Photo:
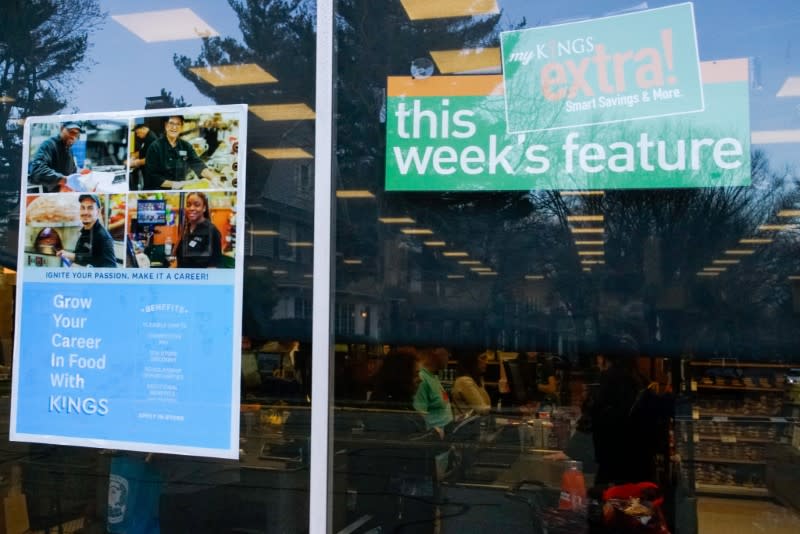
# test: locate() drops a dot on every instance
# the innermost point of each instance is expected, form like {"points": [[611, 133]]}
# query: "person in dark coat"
{"points": [[53, 162]]}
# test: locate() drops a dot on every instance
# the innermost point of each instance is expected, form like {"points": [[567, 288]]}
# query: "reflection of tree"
{"points": [[42, 46]]}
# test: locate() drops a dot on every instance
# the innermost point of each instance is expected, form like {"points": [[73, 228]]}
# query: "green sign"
{"points": [[449, 134], [601, 71]]}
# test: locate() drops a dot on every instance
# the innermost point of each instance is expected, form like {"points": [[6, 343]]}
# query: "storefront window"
{"points": [[84, 57], [570, 229]]}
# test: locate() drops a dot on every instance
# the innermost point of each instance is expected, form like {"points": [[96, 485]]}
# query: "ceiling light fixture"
{"points": [[589, 243], [582, 193], [354, 193], [776, 227], [234, 75], [416, 231], [586, 230], [283, 153], [434, 243], [283, 112], [739, 252], [166, 25], [396, 220], [585, 218], [440, 9], [455, 254]]}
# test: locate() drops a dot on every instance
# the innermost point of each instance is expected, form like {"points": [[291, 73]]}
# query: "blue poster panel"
{"points": [[128, 318]]}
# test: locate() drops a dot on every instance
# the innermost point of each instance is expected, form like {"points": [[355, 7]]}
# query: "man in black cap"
{"points": [[95, 247], [53, 162], [144, 137], [170, 158]]}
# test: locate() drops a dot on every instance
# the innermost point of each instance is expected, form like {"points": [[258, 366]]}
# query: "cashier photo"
{"points": [[170, 158], [200, 244], [94, 246]]}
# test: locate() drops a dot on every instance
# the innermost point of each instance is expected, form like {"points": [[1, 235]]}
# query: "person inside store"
{"points": [[95, 247], [200, 246], [431, 398], [143, 139], [169, 159], [469, 396], [53, 164], [625, 418]]}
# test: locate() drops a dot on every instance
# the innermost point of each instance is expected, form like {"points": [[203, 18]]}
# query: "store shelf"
{"points": [[740, 388], [732, 439], [702, 487], [733, 363], [727, 461], [732, 418]]}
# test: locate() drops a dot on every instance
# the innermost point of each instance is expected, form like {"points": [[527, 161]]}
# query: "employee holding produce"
{"points": [[169, 159], [53, 163], [201, 243], [94, 247]]}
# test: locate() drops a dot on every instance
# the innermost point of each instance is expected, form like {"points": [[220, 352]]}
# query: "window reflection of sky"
{"points": [[127, 69], [760, 30]]}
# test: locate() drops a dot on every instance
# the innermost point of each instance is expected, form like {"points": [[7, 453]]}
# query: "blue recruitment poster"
{"points": [[129, 281]]}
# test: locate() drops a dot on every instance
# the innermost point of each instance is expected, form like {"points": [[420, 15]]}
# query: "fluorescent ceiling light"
{"points": [[487, 273], [789, 213], [283, 112], [586, 230], [416, 231], [480, 269], [534, 277], [776, 227], [166, 25], [585, 218], [704, 273], [593, 262], [300, 244], [308, 276], [725, 262], [434, 243], [589, 243], [352, 261], [256, 268], [467, 60], [234, 75], [755, 241], [582, 193], [455, 254], [469, 262], [440, 9], [587, 269], [6, 100], [715, 269], [280, 272], [791, 87], [455, 276], [769, 137], [794, 277], [283, 153], [263, 232], [354, 193], [591, 253], [739, 252], [396, 220]]}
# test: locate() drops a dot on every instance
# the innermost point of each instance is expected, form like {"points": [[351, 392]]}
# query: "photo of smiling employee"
{"points": [[95, 247], [201, 242], [170, 158]]}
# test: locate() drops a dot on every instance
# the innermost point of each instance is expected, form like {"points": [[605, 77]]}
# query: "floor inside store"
{"points": [[740, 516]]}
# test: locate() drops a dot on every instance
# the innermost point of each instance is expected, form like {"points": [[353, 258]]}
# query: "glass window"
{"points": [[88, 56], [575, 223]]}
